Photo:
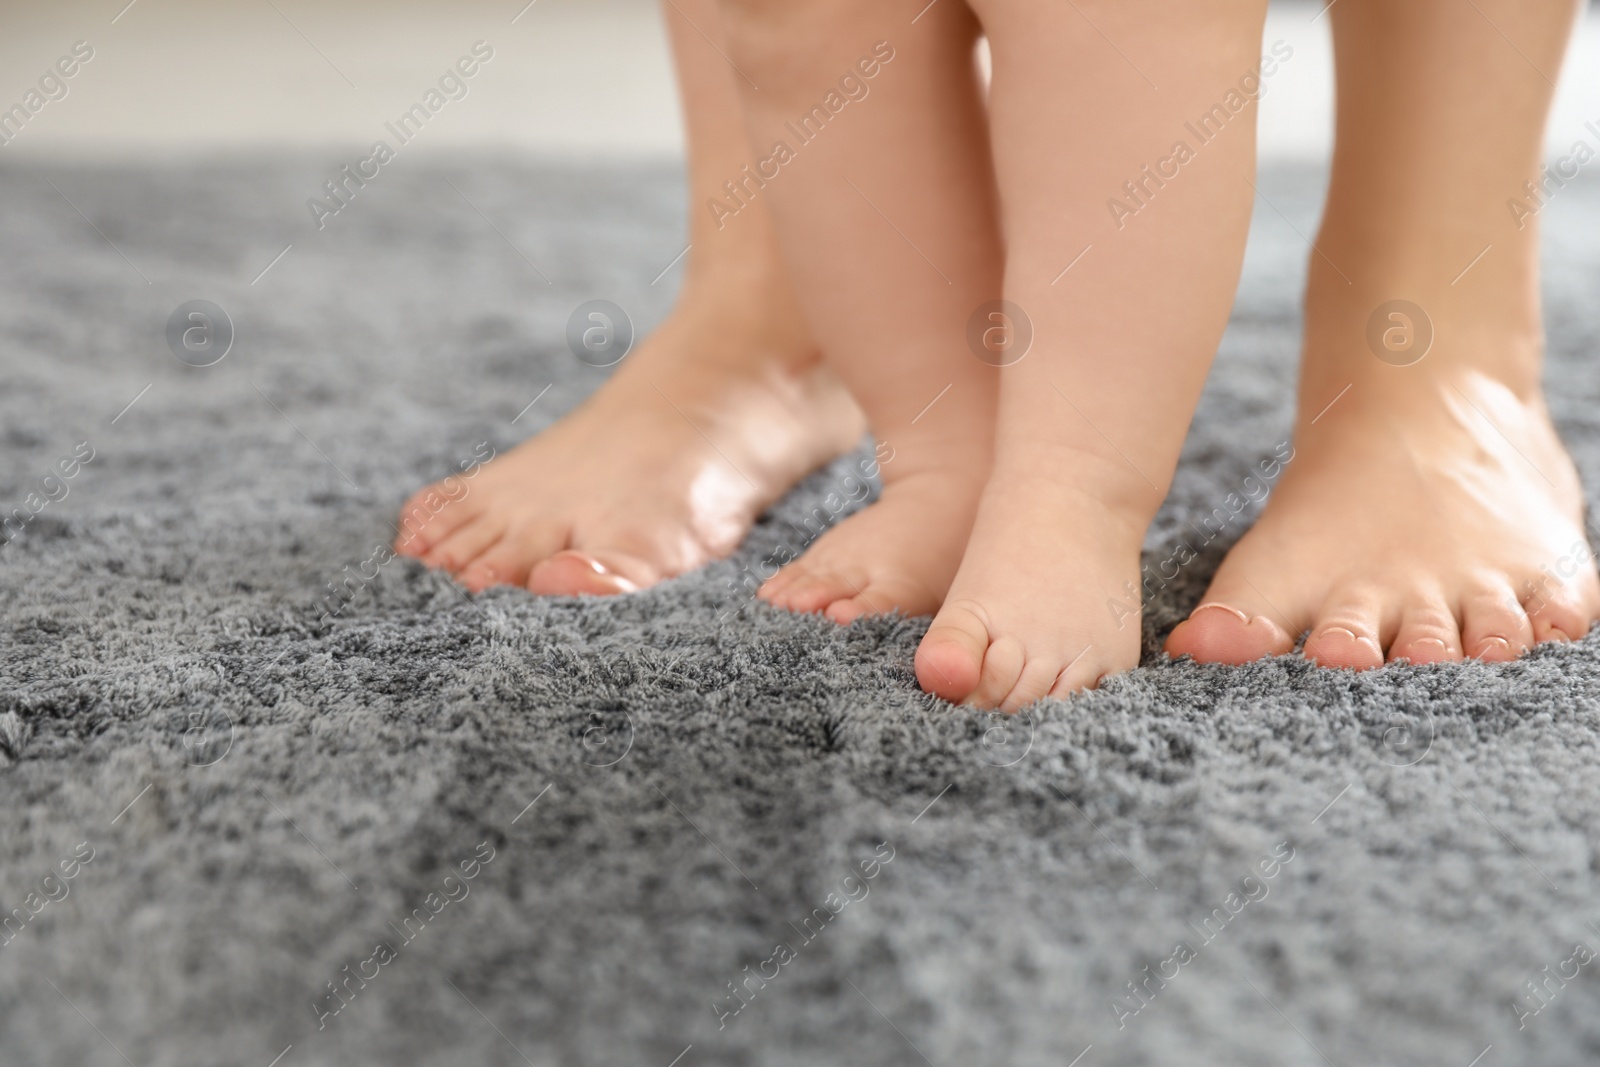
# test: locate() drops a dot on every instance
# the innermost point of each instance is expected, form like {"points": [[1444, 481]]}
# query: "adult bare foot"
{"points": [[1426, 517], [1430, 512], [717, 414]]}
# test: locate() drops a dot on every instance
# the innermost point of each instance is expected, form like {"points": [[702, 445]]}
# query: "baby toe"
{"points": [[949, 660], [1003, 662]]}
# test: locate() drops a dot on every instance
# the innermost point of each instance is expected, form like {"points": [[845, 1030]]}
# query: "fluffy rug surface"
{"points": [[408, 826]]}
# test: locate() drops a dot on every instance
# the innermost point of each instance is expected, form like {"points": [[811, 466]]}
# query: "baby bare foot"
{"points": [[898, 555], [1424, 525], [1028, 615], [662, 470]]}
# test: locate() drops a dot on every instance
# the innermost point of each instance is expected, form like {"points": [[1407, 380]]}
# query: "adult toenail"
{"points": [[1491, 644], [615, 581], [593, 566], [1235, 612], [1349, 634]]}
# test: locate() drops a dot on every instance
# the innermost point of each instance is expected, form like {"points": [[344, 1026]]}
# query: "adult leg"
{"points": [[723, 408], [1430, 511]]}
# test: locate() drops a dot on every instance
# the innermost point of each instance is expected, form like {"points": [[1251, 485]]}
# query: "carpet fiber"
{"points": [[602, 818]]}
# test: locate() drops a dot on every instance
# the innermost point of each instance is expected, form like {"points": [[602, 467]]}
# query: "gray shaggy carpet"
{"points": [[242, 824]]}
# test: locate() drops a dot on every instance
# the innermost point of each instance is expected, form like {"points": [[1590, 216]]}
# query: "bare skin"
{"points": [[715, 415], [886, 214], [1092, 418], [1430, 513]]}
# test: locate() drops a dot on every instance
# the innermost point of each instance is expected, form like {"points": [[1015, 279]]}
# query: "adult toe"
{"points": [[1348, 631], [1236, 623], [1428, 632], [429, 517], [1494, 624], [509, 560], [466, 544], [1560, 614]]}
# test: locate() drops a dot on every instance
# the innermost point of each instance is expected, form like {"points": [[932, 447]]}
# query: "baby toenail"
{"points": [[1440, 645], [1492, 644]]}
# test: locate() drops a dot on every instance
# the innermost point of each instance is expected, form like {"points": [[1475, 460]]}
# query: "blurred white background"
{"points": [[575, 79]]}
